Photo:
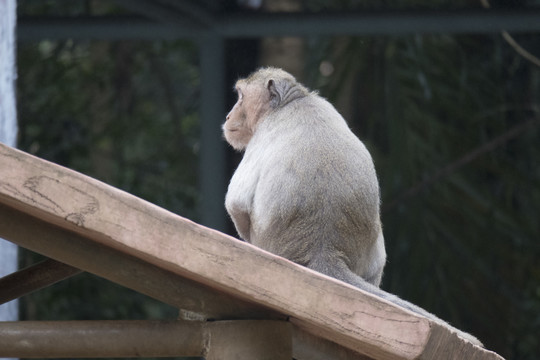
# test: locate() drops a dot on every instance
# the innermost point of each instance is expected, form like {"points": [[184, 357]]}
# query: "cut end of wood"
{"points": [[445, 344]]}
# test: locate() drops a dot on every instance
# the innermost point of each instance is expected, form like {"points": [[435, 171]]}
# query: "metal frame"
{"points": [[280, 24], [169, 20]]}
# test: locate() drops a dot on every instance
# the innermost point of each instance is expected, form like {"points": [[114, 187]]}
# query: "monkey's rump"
{"points": [[315, 187]]}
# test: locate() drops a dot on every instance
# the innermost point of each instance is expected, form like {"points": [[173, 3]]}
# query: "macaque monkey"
{"points": [[306, 188]]}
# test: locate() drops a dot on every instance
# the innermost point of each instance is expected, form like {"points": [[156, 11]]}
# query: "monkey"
{"points": [[306, 188]]}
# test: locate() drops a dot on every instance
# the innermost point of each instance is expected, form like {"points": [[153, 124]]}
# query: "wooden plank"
{"points": [[34, 278], [223, 340], [95, 339], [113, 219], [131, 272]]}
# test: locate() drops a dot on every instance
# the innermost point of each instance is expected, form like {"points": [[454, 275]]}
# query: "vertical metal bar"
{"points": [[212, 180], [8, 130]]}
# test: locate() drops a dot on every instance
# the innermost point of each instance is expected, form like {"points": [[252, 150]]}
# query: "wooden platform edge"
{"points": [[124, 224]]}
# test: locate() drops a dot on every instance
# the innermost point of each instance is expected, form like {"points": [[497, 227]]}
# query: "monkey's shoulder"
{"points": [[309, 146]]}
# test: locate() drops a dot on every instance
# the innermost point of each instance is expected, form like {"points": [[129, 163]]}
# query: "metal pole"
{"points": [[295, 24], [212, 146]]}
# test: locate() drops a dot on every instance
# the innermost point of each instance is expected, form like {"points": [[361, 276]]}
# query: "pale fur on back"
{"points": [[306, 188], [311, 189]]}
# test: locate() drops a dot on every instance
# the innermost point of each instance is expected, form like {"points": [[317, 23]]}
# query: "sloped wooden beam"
{"points": [[121, 268], [104, 218]]}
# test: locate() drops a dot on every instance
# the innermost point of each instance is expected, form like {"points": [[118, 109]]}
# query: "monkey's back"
{"points": [[316, 190]]}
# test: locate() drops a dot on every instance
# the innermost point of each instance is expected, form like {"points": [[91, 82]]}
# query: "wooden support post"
{"points": [[250, 339], [307, 346], [219, 340]]}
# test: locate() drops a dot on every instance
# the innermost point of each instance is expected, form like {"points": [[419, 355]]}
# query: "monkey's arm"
{"points": [[241, 221], [240, 194], [238, 202]]}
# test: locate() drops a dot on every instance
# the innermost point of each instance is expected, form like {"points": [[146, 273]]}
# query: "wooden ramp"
{"points": [[86, 224]]}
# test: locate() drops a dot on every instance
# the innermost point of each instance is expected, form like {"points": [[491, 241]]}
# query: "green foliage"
{"points": [[124, 113], [443, 117]]}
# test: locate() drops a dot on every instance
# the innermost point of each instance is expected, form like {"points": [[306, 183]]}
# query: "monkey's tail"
{"points": [[341, 271]]}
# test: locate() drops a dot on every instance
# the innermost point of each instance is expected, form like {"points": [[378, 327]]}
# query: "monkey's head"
{"points": [[261, 93]]}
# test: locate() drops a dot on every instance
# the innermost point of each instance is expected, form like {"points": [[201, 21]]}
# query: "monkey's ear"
{"points": [[275, 96]]}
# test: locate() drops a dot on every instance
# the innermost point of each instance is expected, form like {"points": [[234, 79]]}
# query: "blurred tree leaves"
{"points": [[124, 113], [462, 236], [453, 125]]}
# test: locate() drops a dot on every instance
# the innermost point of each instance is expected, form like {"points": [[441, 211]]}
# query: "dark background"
{"points": [[452, 121]]}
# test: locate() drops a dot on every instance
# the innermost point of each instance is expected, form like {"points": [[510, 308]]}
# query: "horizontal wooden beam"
{"points": [[224, 340], [282, 24], [92, 215]]}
